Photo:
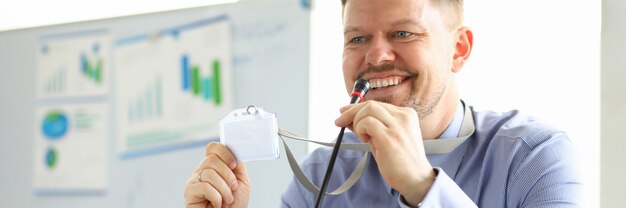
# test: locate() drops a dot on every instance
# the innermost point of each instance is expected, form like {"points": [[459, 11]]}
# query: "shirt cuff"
{"points": [[403, 203], [444, 192]]}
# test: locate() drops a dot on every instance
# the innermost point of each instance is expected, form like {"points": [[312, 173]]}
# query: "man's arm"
{"points": [[544, 175]]}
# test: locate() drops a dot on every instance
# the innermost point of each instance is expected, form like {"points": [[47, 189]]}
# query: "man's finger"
{"points": [[348, 112], [215, 163], [218, 183], [199, 193], [241, 173], [369, 127], [222, 152]]}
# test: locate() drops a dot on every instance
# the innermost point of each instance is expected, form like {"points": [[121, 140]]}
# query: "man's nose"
{"points": [[380, 51]]}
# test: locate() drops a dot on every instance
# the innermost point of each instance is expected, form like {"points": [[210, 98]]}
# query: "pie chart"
{"points": [[51, 158], [55, 125]]}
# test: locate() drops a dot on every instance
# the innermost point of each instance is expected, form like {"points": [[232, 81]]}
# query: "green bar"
{"points": [[59, 82], [130, 115], [98, 72], [159, 99], [53, 83], [217, 95], [149, 103], [62, 77], [139, 108], [195, 80], [88, 69]]}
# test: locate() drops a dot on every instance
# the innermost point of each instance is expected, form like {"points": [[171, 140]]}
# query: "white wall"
{"points": [[613, 103], [541, 57], [326, 91]]}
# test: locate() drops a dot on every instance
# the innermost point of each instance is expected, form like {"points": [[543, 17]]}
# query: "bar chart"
{"points": [[73, 65], [56, 83], [148, 103], [205, 87], [92, 70]]}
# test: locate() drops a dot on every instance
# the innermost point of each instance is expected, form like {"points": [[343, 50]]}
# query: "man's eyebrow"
{"points": [[420, 26], [417, 24], [349, 29]]}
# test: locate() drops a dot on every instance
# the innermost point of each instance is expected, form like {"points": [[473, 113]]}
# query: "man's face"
{"points": [[401, 44]]}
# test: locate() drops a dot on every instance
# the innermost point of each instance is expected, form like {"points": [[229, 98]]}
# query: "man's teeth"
{"points": [[379, 83]]}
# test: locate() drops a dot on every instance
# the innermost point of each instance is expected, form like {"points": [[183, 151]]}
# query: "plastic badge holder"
{"points": [[251, 134]]}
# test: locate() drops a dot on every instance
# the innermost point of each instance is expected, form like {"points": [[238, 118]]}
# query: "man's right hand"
{"points": [[218, 181]]}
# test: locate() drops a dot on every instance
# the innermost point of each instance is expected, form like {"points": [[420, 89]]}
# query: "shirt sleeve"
{"points": [[443, 193], [548, 176]]}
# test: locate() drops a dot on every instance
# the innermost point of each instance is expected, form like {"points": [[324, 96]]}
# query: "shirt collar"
{"points": [[453, 129]]}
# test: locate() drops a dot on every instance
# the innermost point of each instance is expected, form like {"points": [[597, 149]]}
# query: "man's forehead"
{"points": [[359, 13], [380, 6]]}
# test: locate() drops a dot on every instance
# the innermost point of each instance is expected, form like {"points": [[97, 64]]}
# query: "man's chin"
{"points": [[390, 100]]}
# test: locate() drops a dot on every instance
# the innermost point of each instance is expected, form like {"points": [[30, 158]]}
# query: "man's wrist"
{"points": [[416, 193]]}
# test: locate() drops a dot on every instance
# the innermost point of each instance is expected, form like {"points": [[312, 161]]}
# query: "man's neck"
{"points": [[433, 126]]}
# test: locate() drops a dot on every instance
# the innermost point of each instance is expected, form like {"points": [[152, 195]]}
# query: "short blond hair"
{"points": [[454, 9]]}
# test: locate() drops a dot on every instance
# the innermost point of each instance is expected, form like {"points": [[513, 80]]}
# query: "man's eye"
{"points": [[357, 40], [402, 34]]}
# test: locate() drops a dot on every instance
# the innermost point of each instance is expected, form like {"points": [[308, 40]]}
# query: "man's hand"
{"points": [[218, 181], [396, 140]]}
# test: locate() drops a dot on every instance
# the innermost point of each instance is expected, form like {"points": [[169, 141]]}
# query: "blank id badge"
{"points": [[251, 134]]}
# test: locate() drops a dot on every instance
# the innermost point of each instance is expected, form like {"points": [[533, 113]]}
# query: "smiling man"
{"points": [[429, 148]]}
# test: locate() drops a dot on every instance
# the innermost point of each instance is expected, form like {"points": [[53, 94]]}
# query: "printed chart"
{"points": [[69, 148], [172, 87], [73, 65]]}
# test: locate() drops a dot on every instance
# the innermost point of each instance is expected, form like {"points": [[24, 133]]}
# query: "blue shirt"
{"points": [[511, 160]]}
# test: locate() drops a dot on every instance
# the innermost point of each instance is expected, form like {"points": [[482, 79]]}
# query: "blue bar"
{"points": [[208, 92], [149, 102], [139, 108], [186, 72], [131, 112], [83, 63], [158, 98]]}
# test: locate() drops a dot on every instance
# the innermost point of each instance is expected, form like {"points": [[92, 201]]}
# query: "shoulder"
{"points": [[527, 147], [516, 141], [514, 126], [536, 161]]}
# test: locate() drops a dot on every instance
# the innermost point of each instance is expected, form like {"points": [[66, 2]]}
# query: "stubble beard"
{"points": [[423, 108]]}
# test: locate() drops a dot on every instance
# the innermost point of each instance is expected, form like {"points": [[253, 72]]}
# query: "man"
{"points": [[410, 51]]}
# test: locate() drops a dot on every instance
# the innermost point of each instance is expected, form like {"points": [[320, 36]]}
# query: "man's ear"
{"points": [[463, 48]]}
